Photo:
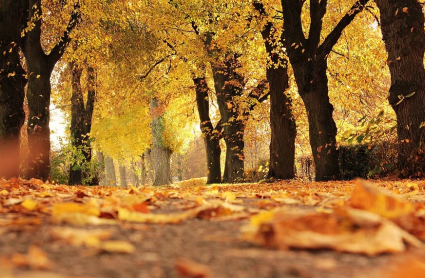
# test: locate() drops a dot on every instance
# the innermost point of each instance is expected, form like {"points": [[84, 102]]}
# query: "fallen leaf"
{"points": [[29, 204], [117, 246], [81, 237], [369, 197], [35, 259], [346, 230], [228, 196], [81, 219], [65, 208], [188, 268]]}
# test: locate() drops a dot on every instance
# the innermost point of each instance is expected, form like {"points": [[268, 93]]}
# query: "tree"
{"points": [[123, 176], [81, 120], [110, 176], [282, 122], [161, 153], [308, 57], [402, 26], [39, 67], [211, 134], [12, 85]]}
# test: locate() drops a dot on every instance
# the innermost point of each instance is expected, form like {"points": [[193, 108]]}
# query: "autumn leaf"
{"points": [[377, 200], [191, 269], [35, 259], [347, 230]]}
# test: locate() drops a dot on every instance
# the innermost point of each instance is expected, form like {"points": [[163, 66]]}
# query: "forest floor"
{"points": [[281, 229]]}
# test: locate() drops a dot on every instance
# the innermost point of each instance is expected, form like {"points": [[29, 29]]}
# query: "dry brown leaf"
{"points": [[81, 219], [117, 246], [35, 259], [172, 218], [408, 268], [81, 237], [348, 230], [377, 200], [188, 268]]}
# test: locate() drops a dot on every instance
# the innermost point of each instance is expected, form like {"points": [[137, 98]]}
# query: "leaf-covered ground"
{"points": [[282, 229]]}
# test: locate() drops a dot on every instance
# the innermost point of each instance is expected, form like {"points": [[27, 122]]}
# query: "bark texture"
{"points": [[309, 61], [144, 169], [81, 120], [229, 85], [110, 177], [211, 134], [40, 66], [161, 153], [402, 26], [12, 87], [133, 176], [123, 176], [102, 168], [282, 122]]}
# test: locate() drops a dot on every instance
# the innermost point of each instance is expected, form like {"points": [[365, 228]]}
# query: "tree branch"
{"points": [[294, 34], [256, 94], [59, 48], [333, 37], [143, 76], [317, 11]]}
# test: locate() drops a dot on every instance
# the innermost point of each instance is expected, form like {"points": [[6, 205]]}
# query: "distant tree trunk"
{"points": [[12, 86], [102, 170], [228, 86], [402, 25], [111, 179], [161, 154], [81, 120], [133, 176], [308, 57], [123, 176], [40, 67], [282, 122], [212, 135], [322, 127], [144, 173], [150, 171]]}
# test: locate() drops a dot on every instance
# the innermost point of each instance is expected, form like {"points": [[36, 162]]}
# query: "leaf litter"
{"points": [[357, 217]]}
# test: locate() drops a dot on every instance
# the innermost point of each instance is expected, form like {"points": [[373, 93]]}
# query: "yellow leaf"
{"points": [[81, 237], [29, 204], [63, 208], [228, 196], [377, 200], [117, 246]]}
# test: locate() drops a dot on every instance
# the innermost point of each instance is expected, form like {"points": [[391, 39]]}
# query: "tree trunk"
{"points": [[211, 135], [282, 122], [40, 67], [161, 154], [308, 56], [111, 179], [402, 26], [322, 127], [228, 86], [144, 172], [81, 121], [102, 168], [77, 123], [123, 177], [133, 176], [12, 86], [150, 171]]}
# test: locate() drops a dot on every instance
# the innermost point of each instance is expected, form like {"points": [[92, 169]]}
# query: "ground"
{"points": [[189, 230]]}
